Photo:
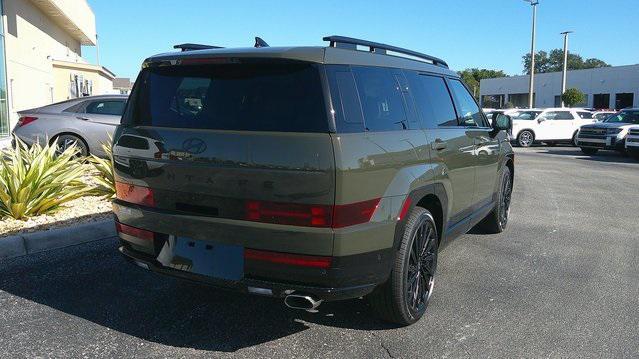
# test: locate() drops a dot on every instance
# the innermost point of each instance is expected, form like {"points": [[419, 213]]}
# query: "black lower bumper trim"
{"points": [[249, 285]]}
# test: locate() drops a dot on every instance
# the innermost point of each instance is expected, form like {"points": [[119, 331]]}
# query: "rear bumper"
{"points": [[250, 285], [348, 276]]}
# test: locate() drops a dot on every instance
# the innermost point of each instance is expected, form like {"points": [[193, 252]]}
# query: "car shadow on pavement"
{"points": [[107, 290]]}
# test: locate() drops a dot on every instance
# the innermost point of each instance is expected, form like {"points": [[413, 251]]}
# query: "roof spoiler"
{"points": [[352, 43], [259, 42]]}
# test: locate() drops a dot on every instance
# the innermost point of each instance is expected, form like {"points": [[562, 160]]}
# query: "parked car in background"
{"points": [[603, 114], [609, 134], [87, 122], [551, 125], [632, 142], [308, 173]]}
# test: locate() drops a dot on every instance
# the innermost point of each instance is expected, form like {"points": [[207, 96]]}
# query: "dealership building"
{"points": [[606, 87], [41, 56]]}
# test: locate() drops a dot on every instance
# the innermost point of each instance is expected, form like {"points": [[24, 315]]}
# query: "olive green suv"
{"points": [[307, 173]]}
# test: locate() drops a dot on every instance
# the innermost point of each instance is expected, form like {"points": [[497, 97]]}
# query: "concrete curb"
{"points": [[37, 242]]}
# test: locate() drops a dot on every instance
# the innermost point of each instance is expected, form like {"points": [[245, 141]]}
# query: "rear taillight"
{"points": [[289, 213], [134, 194], [310, 215], [287, 258], [134, 232], [354, 213], [25, 120]]}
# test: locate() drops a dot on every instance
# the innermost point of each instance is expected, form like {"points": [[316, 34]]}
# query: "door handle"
{"points": [[438, 145], [82, 118]]}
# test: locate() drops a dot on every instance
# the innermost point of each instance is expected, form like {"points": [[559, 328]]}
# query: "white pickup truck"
{"points": [[551, 125]]}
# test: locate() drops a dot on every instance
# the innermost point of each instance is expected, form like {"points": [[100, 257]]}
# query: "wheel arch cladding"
{"points": [[431, 197]]}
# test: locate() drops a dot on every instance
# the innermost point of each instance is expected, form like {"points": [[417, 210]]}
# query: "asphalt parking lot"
{"points": [[562, 281]]}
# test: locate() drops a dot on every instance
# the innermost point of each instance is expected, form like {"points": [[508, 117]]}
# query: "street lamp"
{"points": [[531, 88], [563, 75]]}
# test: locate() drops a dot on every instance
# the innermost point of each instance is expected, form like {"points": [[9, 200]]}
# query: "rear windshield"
{"points": [[244, 97]]}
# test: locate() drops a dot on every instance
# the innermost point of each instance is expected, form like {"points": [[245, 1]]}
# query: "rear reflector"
{"points": [[25, 120], [310, 215], [288, 259], [405, 209], [134, 232], [134, 194]]}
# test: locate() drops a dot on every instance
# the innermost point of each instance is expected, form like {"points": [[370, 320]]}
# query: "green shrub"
{"points": [[105, 179], [35, 180]]}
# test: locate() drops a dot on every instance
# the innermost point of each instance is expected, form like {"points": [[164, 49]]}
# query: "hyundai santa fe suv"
{"points": [[307, 173]]}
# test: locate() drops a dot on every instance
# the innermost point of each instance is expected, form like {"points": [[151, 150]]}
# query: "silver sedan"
{"points": [[86, 121]]}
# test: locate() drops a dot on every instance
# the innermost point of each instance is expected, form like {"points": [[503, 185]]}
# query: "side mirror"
{"points": [[540, 120], [502, 122]]}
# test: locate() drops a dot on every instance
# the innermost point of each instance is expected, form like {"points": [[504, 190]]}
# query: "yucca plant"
{"points": [[105, 179], [36, 180]]}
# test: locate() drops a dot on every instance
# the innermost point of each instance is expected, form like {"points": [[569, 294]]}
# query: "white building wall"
{"points": [[33, 40], [607, 80]]}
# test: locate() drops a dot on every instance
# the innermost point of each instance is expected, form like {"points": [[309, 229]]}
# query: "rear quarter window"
{"points": [[284, 97]]}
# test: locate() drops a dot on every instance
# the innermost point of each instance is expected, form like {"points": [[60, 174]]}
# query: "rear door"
{"points": [[452, 145], [556, 125], [487, 146]]}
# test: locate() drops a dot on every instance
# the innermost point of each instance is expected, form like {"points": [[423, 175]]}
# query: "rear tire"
{"points": [[403, 298], [525, 138], [67, 140], [589, 151], [497, 220]]}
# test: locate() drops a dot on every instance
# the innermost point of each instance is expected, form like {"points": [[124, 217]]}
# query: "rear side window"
{"points": [[585, 115], [381, 99], [112, 107], [283, 97], [433, 100], [467, 109], [557, 115]]}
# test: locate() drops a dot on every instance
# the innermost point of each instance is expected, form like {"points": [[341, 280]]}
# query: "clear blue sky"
{"points": [[482, 33]]}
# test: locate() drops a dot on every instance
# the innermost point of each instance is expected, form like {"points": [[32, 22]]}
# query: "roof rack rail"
{"points": [[335, 40], [190, 47]]}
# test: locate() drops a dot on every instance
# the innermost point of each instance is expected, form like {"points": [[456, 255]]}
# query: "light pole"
{"points": [[531, 88], [563, 75]]}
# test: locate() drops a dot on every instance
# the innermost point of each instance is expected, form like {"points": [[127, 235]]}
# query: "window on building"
{"points": [[520, 100], [624, 100], [493, 101], [601, 100], [433, 100]]}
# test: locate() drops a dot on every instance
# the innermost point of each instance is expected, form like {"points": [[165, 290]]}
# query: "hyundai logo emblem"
{"points": [[194, 146]]}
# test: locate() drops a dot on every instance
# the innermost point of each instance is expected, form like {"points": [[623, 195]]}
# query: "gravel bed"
{"points": [[81, 210]]}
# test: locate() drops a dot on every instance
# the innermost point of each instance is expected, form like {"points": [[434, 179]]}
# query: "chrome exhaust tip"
{"points": [[303, 302]]}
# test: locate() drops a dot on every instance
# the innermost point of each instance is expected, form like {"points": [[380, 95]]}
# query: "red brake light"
{"points": [[25, 120], [287, 258], [134, 194], [135, 232], [310, 215], [288, 213]]}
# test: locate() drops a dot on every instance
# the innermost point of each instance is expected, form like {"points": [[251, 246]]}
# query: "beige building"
{"points": [[42, 62]]}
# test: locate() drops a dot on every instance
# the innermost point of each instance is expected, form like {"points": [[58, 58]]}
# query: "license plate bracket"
{"points": [[207, 258]]}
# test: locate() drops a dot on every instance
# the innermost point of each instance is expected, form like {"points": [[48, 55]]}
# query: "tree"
{"points": [[554, 61], [472, 78], [572, 96]]}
